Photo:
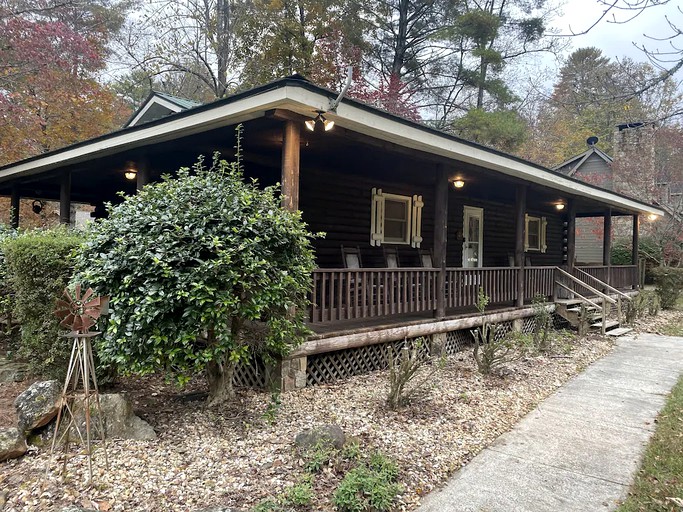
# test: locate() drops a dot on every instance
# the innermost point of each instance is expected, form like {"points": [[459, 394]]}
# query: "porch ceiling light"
{"points": [[459, 183], [560, 206], [319, 120], [131, 172], [652, 217]]}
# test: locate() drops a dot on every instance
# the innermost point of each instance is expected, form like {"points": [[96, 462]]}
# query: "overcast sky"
{"points": [[616, 40]]}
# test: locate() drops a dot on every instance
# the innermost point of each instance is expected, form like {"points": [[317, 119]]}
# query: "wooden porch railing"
{"points": [[348, 294], [620, 276], [344, 294]]}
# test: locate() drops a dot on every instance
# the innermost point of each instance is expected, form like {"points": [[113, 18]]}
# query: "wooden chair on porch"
{"points": [[351, 257], [426, 259], [391, 259]]}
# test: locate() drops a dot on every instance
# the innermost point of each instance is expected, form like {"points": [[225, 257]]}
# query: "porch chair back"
{"points": [[426, 259], [351, 257], [391, 257]]}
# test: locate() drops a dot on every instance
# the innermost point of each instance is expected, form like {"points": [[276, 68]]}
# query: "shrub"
{"points": [[543, 323], [403, 369], [490, 350], [668, 282], [7, 332], [647, 302], [200, 270], [39, 267], [372, 487]]}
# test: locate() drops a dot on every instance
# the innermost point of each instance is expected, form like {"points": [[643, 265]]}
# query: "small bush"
{"points": [[668, 282], [372, 487], [403, 370], [319, 456], [645, 303], [543, 323], [490, 351], [299, 495], [39, 267]]}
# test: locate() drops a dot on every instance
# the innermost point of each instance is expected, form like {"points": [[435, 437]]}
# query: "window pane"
{"points": [[396, 210], [395, 230], [534, 230]]}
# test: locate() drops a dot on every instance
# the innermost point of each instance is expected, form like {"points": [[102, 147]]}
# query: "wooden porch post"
{"points": [[290, 165], [520, 228], [441, 238], [15, 203], [571, 235], [65, 199], [607, 243], [144, 174]]}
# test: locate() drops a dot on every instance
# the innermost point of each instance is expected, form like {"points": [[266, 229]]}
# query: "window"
{"points": [[535, 234], [395, 219]]}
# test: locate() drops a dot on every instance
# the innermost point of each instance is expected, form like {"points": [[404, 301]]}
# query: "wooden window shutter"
{"points": [[544, 224], [377, 218], [526, 232], [416, 224]]}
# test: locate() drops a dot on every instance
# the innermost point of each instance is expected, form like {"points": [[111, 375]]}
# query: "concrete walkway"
{"points": [[579, 450]]}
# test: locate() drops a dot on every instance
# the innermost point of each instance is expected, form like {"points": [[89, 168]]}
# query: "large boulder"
{"points": [[12, 443], [38, 405], [325, 435], [119, 419]]}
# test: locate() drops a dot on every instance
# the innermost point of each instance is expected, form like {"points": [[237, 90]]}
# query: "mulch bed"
{"points": [[239, 455]]}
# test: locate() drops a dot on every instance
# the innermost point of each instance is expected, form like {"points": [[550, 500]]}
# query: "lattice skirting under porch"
{"points": [[342, 364]]}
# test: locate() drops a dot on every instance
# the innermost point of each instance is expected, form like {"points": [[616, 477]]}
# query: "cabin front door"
{"points": [[473, 231]]}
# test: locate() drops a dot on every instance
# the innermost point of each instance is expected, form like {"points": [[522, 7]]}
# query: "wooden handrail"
{"points": [[594, 304], [587, 286], [601, 283]]}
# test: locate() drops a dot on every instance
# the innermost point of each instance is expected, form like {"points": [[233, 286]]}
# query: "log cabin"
{"points": [[416, 220]]}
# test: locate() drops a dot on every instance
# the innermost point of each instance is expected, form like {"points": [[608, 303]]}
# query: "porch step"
{"points": [[619, 332], [610, 324], [578, 310]]}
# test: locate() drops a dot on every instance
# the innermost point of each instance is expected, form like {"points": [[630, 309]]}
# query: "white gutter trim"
{"points": [[369, 123], [306, 102], [235, 112]]}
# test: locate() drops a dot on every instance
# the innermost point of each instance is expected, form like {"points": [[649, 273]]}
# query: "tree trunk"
{"points": [[219, 376]]}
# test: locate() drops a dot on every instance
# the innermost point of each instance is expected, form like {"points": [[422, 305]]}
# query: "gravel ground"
{"points": [[239, 456]]}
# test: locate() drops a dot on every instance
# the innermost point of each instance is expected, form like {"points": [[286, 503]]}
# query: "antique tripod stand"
{"points": [[79, 314]]}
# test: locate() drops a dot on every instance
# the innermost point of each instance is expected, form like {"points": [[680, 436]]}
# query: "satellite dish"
{"points": [[592, 141]]}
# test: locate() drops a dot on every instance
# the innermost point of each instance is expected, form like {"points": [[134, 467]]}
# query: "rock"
{"points": [[12, 371], [331, 435], [119, 419], [38, 405], [12, 443]]}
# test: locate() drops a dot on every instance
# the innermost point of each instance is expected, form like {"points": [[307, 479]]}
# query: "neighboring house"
{"points": [[592, 166], [416, 220]]}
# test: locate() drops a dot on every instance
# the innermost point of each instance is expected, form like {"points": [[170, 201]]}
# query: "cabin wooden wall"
{"points": [[339, 205]]}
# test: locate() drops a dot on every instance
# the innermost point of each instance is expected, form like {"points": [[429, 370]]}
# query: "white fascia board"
{"points": [[370, 123], [155, 100], [234, 112]]}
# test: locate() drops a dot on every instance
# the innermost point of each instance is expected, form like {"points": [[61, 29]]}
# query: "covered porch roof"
{"points": [[206, 128]]}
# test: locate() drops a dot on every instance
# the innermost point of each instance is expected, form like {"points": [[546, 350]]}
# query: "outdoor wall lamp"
{"points": [[560, 206], [319, 120], [459, 183]]}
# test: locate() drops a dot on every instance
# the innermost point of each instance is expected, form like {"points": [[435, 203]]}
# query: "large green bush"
{"points": [[199, 270], [39, 266], [668, 282]]}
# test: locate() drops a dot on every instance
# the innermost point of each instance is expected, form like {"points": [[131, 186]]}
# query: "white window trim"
{"points": [[542, 230], [414, 204]]}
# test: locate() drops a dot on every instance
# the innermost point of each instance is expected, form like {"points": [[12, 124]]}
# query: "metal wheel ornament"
{"points": [[78, 314]]}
